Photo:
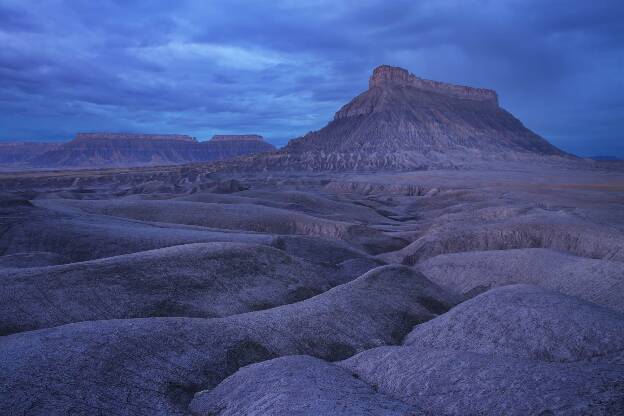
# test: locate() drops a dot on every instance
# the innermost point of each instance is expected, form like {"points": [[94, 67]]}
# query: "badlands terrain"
{"points": [[447, 292], [106, 150], [489, 283]]}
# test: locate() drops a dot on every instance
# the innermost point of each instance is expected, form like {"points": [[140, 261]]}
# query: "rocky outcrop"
{"points": [[385, 76], [403, 122]]}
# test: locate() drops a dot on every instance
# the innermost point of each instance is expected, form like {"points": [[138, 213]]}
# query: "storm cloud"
{"points": [[283, 68]]}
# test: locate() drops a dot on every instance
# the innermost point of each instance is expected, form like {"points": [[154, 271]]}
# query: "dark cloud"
{"points": [[283, 68]]}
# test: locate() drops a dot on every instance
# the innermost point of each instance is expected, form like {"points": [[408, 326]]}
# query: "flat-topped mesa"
{"points": [[237, 138], [134, 136], [385, 75]]}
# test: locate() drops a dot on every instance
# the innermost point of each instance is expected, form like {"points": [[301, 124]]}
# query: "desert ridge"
{"points": [[115, 150]]}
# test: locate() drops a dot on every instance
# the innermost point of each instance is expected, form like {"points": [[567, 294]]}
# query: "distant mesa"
{"points": [[134, 136], [18, 153], [403, 122], [237, 138], [222, 147], [111, 150]]}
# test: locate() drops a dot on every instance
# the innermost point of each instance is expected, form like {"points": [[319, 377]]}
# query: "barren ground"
{"points": [[496, 289]]}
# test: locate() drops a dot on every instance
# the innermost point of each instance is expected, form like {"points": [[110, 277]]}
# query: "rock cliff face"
{"points": [[404, 122], [16, 153], [385, 75], [237, 138], [125, 149], [120, 149], [228, 146]]}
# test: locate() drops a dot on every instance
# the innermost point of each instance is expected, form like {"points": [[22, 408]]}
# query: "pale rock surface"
{"points": [[462, 383], [525, 321], [205, 280], [296, 385], [241, 217], [470, 273], [154, 366], [31, 259], [504, 228]]}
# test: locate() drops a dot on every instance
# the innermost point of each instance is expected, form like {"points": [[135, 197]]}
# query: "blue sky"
{"points": [[283, 68]]}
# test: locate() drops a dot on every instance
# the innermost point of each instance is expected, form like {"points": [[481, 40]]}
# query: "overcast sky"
{"points": [[281, 69]]}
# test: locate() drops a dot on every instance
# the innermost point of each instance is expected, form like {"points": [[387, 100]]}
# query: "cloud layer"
{"points": [[283, 68]]}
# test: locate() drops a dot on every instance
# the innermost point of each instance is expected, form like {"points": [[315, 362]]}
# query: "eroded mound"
{"points": [[460, 383], [243, 217], [195, 280], [298, 201], [32, 259], [159, 363], [470, 273], [190, 242], [80, 237], [504, 229], [514, 350], [525, 321], [298, 385]]}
